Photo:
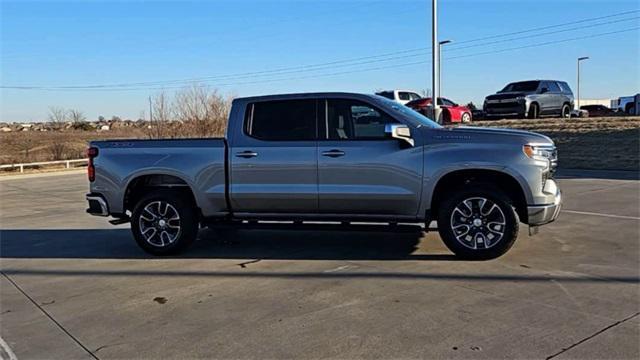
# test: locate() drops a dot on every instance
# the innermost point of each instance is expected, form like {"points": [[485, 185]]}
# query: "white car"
{"points": [[401, 96]]}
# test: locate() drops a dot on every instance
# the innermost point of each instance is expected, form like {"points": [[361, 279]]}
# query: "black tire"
{"points": [[534, 111], [631, 110], [566, 111], [175, 241], [480, 247]]}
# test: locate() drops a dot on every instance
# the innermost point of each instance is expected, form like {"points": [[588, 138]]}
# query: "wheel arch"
{"points": [[141, 183], [505, 181]]}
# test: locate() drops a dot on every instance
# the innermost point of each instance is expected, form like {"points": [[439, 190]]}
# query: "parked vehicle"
{"points": [[597, 110], [329, 157], [451, 112], [477, 114], [531, 99], [400, 96], [582, 113], [630, 105]]}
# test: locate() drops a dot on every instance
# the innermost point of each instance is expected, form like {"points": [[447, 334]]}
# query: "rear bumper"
{"points": [[97, 205], [544, 214]]}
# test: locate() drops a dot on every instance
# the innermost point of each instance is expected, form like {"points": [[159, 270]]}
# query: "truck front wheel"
{"points": [[164, 223], [478, 223]]}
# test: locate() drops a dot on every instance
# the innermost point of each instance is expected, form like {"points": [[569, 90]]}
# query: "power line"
{"points": [[362, 70], [546, 43], [390, 56], [549, 27], [541, 34]]}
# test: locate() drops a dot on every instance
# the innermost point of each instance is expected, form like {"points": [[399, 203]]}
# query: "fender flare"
{"points": [[432, 181], [159, 171]]}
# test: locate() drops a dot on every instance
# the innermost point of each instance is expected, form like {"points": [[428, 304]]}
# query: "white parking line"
{"points": [[5, 350], [600, 214]]}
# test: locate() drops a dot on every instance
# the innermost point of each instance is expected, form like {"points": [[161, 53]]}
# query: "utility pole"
{"points": [[579, 60], [443, 42], [435, 61]]}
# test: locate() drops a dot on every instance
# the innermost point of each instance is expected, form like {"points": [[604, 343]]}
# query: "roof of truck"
{"points": [[305, 95]]}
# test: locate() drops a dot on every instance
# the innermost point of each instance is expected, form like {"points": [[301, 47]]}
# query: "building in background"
{"points": [[605, 102]]}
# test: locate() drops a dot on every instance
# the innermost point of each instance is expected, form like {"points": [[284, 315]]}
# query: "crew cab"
{"points": [[327, 157]]}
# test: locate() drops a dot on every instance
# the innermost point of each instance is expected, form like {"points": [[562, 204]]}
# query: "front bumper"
{"points": [[513, 108], [97, 205], [544, 214]]}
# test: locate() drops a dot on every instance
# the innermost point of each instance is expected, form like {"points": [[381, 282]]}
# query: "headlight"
{"points": [[520, 98], [539, 152], [545, 154]]}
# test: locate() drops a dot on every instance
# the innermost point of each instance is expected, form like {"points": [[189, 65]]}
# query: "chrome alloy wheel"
{"points": [[159, 223], [478, 223]]}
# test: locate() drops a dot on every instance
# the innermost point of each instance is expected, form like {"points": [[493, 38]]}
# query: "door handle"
{"points": [[247, 154], [333, 153]]}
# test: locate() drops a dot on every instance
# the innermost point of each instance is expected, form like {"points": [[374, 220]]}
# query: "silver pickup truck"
{"points": [[329, 157]]}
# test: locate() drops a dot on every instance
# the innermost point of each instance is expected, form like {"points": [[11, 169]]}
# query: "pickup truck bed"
{"points": [[197, 163]]}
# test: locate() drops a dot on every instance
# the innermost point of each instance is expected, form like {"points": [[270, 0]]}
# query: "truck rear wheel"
{"points": [[164, 223], [478, 223]]}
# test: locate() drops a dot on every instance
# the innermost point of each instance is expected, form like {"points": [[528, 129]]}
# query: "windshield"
{"points": [[413, 115], [521, 86]]}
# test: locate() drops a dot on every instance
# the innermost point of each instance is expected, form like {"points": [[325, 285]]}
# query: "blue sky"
{"points": [[53, 43]]}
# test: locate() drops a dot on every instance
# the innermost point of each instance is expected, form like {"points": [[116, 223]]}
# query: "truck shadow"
{"points": [[311, 243]]}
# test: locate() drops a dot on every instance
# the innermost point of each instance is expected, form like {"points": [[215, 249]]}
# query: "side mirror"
{"points": [[544, 90], [400, 132]]}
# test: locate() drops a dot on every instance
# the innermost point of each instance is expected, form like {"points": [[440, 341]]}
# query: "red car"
{"points": [[451, 112]]}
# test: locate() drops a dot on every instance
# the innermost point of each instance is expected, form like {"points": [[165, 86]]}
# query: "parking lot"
{"points": [[74, 286]]}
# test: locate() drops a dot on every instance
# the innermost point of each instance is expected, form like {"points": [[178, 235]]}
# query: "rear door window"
{"points": [[553, 86], [403, 95], [287, 120], [387, 94], [564, 87], [414, 96]]}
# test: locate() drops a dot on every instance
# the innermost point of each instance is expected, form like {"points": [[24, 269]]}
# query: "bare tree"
{"points": [[76, 116], [58, 149], [204, 111], [78, 119], [57, 116], [192, 107], [23, 142], [219, 108], [162, 113]]}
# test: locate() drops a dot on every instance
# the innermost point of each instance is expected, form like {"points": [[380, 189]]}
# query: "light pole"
{"points": [[435, 59], [579, 59], [443, 42]]}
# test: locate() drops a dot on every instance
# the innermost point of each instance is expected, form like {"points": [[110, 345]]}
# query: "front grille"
{"points": [[503, 105]]}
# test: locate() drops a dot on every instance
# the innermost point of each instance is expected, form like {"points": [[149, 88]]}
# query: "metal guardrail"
{"points": [[67, 164]]}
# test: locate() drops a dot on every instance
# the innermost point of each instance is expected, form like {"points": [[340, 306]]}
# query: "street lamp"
{"points": [[443, 42], [580, 59]]}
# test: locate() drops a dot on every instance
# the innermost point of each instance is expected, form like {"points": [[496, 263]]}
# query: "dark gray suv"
{"points": [[531, 99]]}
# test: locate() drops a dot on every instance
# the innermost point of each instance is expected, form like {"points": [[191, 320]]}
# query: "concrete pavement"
{"points": [[74, 286]]}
